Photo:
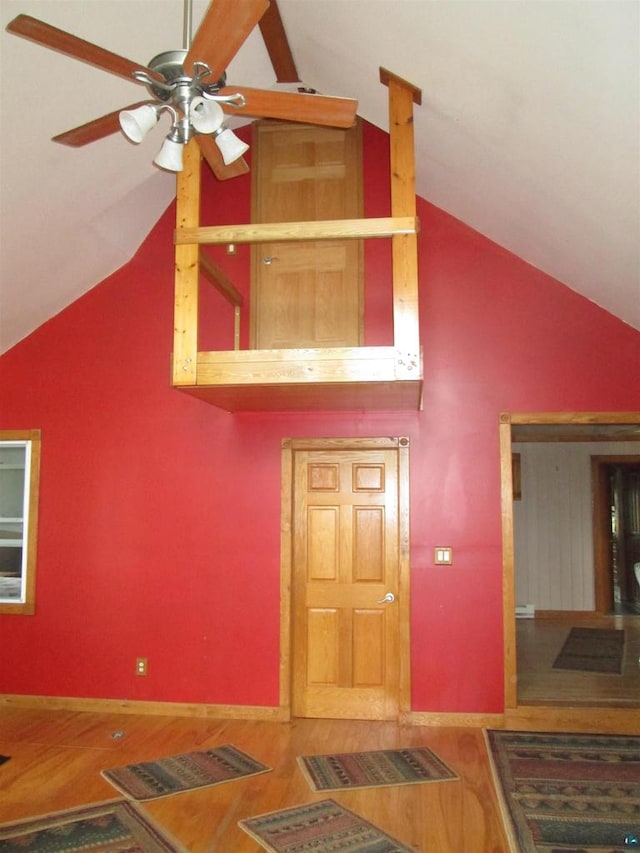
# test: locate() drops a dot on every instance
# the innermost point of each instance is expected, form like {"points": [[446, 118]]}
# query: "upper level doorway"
{"points": [[306, 293]]}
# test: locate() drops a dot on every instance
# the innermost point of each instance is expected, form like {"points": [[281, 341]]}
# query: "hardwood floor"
{"points": [[56, 758], [540, 640]]}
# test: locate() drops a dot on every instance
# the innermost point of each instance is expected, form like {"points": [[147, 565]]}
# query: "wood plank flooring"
{"points": [[540, 640], [56, 758]]}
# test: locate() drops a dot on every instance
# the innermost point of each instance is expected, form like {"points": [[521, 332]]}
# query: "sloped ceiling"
{"points": [[529, 131]]}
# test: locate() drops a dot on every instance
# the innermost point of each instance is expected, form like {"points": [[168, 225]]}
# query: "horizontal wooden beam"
{"points": [[527, 418], [295, 366], [333, 229]]}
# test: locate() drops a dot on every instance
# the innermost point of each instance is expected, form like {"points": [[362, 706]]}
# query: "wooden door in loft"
{"points": [[309, 293]]}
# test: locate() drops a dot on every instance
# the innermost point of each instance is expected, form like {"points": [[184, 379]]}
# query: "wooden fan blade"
{"points": [[212, 155], [277, 44], [77, 48], [293, 106], [94, 130], [225, 26]]}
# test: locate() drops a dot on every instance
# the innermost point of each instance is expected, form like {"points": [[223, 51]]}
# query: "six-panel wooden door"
{"points": [[306, 293], [345, 571]]}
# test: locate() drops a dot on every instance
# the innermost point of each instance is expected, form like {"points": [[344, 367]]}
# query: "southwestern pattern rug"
{"points": [[317, 828], [592, 650], [117, 826], [385, 767], [176, 773], [567, 792]]}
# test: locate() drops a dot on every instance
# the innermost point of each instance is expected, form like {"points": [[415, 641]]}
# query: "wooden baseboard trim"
{"points": [[600, 720], [126, 706], [478, 721], [570, 615]]}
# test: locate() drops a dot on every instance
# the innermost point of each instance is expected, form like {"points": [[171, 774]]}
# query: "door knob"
{"points": [[268, 260], [388, 598]]}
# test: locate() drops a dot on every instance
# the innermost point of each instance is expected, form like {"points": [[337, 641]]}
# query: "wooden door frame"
{"points": [[507, 420], [289, 448], [602, 526]]}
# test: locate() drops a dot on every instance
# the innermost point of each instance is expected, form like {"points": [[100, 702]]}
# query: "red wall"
{"points": [[160, 515]]}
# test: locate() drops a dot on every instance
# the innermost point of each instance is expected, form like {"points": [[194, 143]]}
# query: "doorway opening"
{"points": [[616, 501], [543, 598]]}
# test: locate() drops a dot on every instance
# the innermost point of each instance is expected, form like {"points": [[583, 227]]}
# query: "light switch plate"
{"points": [[443, 555]]}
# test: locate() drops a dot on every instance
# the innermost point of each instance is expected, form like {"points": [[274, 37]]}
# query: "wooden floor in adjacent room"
{"points": [[539, 641], [57, 756]]}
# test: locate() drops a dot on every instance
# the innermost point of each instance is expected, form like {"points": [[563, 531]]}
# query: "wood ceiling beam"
{"points": [[277, 44]]}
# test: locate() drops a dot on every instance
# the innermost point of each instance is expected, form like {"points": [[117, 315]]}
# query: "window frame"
{"points": [[32, 439]]}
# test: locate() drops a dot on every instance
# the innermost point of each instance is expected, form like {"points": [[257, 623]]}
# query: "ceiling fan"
{"points": [[190, 84]]}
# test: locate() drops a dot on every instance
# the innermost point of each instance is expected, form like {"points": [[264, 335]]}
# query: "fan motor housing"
{"points": [[170, 64]]}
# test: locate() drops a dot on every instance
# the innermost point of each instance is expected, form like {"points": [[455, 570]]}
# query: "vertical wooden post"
{"points": [[406, 332], [185, 330], [508, 566], [236, 327]]}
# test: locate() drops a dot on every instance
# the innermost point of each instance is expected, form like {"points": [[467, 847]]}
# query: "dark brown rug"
{"points": [[567, 793], [176, 773], [319, 827], [117, 825], [592, 650], [384, 767]]}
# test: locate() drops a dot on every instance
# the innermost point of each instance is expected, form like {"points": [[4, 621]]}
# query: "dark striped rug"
{"points": [[321, 826], [384, 767], [562, 792], [592, 650]]}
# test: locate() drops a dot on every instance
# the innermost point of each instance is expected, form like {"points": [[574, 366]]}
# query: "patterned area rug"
{"points": [[101, 828], [592, 650], [177, 773], [567, 792], [318, 827], [338, 771]]}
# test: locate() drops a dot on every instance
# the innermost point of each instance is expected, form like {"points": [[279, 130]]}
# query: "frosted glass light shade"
{"points": [[205, 116], [137, 123], [231, 147], [170, 156]]}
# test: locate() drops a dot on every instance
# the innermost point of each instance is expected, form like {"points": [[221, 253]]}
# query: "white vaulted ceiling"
{"points": [[529, 132]]}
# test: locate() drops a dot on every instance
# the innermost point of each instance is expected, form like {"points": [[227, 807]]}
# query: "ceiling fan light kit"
{"points": [[170, 155], [137, 123], [193, 105], [205, 116], [231, 146]]}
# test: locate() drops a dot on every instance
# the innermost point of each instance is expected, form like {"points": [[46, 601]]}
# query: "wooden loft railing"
{"points": [[212, 272], [339, 378]]}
